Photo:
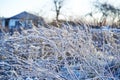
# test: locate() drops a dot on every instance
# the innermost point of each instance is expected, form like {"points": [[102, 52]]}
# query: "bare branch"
{"points": [[58, 5]]}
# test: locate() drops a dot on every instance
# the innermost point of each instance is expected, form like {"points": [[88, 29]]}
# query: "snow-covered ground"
{"points": [[60, 54]]}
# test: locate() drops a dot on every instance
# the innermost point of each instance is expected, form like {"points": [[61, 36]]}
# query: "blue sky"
{"points": [[73, 8]]}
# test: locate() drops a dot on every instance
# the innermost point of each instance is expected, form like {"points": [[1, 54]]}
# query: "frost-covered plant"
{"points": [[67, 53]]}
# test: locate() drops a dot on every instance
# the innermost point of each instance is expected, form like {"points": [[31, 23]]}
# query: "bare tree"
{"points": [[58, 5], [108, 10]]}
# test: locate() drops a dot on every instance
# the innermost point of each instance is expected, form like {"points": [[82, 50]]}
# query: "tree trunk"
{"points": [[57, 15]]}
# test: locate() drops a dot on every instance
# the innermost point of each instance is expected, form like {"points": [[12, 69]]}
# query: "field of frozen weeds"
{"points": [[60, 54]]}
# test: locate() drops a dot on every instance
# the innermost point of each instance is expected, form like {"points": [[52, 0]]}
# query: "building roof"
{"points": [[25, 15]]}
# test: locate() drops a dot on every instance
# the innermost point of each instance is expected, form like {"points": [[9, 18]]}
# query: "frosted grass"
{"points": [[67, 53]]}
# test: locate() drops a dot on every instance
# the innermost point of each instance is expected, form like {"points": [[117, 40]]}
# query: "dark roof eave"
{"points": [[25, 15]]}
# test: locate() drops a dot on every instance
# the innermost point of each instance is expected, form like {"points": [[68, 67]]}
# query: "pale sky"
{"points": [[11, 7], [45, 8]]}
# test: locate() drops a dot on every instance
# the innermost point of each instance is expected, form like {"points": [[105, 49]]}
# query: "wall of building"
{"points": [[12, 23]]}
